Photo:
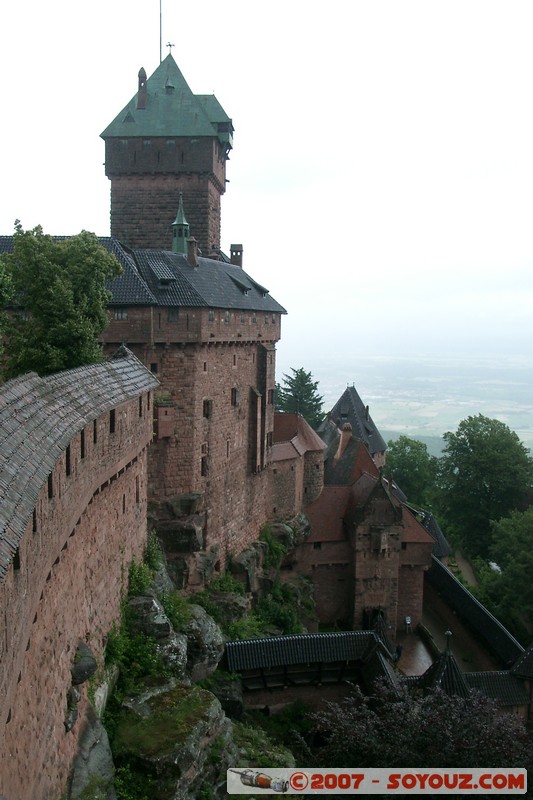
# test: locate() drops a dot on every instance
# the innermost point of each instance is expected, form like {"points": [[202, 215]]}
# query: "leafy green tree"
{"points": [[6, 294], [484, 474], [507, 590], [299, 394], [61, 301], [413, 469]]}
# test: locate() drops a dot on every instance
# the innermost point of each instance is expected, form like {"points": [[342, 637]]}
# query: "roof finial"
{"points": [[448, 635], [170, 45]]}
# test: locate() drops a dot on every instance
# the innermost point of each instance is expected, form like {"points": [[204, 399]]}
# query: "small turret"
{"points": [[180, 230]]}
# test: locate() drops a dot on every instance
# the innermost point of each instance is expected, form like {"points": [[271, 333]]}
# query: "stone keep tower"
{"points": [[167, 140], [200, 322]]}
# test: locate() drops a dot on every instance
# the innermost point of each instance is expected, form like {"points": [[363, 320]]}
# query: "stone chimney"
{"points": [[346, 435], [141, 93], [236, 254], [192, 252]]}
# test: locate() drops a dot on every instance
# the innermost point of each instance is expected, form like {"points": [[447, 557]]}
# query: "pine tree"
{"points": [[299, 394]]}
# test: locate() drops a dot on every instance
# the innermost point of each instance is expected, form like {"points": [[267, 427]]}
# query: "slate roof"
{"points": [[441, 548], [523, 667], [503, 687], [468, 608], [354, 461], [171, 110], [350, 408], [305, 648], [163, 278], [376, 666], [213, 284], [39, 417], [445, 674]]}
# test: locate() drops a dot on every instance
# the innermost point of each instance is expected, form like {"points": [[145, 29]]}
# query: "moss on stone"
{"points": [[172, 716]]}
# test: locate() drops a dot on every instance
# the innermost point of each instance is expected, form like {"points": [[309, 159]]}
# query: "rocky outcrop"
{"points": [[247, 566], [150, 619], [228, 689], [180, 738], [291, 533], [205, 644], [93, 770]]}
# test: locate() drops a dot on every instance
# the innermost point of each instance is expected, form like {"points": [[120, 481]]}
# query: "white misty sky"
{"points": [[382, 173]]}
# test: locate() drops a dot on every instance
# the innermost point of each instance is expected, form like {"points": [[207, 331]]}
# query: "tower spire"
{"points": [[180, 230]]}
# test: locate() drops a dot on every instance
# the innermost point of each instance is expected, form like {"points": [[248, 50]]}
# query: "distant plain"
{"points": [[427, 396]]}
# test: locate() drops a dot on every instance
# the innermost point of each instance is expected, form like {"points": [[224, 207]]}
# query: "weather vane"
{"points": [[170, 45]]}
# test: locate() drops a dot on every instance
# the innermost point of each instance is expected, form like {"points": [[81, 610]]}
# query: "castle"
{"points": [[179, 428]]}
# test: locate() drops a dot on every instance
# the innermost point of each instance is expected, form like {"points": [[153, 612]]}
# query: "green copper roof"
{"points": [[171, 109]]}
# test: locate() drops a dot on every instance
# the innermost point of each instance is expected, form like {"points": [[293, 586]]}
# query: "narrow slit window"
{"points": [[112, 420]]}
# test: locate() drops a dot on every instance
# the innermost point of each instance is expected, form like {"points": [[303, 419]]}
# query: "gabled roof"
{"points": [[350, 408], [292, 427], [413, 531], [170, 110], [305, 648], [39, 417]]}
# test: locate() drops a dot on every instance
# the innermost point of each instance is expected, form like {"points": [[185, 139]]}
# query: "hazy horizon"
{"points": [[427, 396]]}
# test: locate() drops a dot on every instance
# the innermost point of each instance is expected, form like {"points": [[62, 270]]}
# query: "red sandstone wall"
{"points": [[146, 328], [287, 484], [71, 576], [143, 208], [330, 566], [228, 363], [411, 595], [147, 176], [376, 572]]}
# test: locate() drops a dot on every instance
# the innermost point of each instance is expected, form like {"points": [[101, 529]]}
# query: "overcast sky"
{"points": [[382, 173]]}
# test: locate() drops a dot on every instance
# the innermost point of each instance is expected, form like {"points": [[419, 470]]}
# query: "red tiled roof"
{"points": [[414, 531], [326, 514], [294, 428]]}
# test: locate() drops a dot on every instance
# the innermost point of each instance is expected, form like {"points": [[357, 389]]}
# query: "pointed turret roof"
{"points": [[350, 408], [166, 106], [180, 216], [445, 674]]}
